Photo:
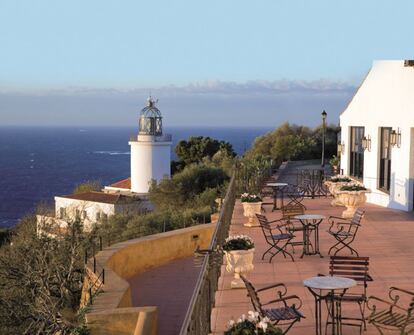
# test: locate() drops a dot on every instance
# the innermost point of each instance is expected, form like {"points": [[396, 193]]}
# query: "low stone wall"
{"points": [[112, 312]]}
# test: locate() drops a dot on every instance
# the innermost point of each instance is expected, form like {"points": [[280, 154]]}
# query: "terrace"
{"points": [[385, 237]]}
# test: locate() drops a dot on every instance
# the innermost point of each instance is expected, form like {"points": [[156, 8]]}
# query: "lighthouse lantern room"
{"points": [[150, 150]]}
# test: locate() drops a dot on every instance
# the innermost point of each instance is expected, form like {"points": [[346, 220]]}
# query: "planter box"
{"points": [[240, 262], [250, 211]]}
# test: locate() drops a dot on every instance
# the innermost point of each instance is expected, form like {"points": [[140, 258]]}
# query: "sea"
{"points": [[37, 163]]}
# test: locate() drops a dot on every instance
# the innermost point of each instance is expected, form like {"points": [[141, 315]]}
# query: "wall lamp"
{"points": [[395, 138], [341, 147], [366, 143]]}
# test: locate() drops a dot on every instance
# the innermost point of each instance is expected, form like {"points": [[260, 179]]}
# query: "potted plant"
{"points": [[252, 325], [239, 250], [252, 205], [335, 162], [334, 184], [352, 195]]}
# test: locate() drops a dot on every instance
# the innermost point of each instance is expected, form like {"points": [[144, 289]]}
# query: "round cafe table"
{"points": [[331, 289], [276, 187], [310, 223]]}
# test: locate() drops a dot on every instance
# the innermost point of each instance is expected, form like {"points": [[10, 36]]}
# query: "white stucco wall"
{"points": [[385, 99], [150, 160], [91, 209]]}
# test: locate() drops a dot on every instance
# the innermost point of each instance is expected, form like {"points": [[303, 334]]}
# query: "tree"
{"points": [[292, 142], [197, 148], [40, 281], [186, 185]]}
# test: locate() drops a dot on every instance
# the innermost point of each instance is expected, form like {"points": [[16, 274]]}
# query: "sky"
{"points": [[210, 63]]}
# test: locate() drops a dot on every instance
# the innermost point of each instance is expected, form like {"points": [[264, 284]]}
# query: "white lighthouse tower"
{"points": [[150, 150]]}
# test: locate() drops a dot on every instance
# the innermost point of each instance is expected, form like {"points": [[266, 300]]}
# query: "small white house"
{"points": [[377, 134], [90, 208]]}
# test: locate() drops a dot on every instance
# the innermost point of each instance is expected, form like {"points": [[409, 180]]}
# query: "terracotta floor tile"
{"points": [[385, 236]]}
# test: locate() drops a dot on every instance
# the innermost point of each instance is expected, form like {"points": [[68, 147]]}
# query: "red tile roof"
{"points": [[124, 183], [106, 198]]}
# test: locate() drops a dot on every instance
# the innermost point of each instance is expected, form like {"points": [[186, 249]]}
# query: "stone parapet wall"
{"points": [[125, 260]]}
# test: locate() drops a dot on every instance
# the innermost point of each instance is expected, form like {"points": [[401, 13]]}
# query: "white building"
{"points": [[377, 134], [90, 208], [150, 161], [150, 154]]}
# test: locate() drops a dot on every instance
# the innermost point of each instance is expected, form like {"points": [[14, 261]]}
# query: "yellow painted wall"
{"points": [[151, 251], [112, 312]]}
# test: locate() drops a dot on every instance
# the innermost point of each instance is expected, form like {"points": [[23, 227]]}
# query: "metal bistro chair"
{"points": [[286, 314], [277, 242], [295, 194], [344, 231], [394, 315], [355, 268], [266, 192], [288, 213]]}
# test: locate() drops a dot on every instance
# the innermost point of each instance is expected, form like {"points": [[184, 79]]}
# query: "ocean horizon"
{"points": [[38, 163]]}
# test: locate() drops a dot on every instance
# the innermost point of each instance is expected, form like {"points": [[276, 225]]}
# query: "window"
{"points": [[62, 212], [84, 215], [385, 160], [356, 167], [98, 216]]}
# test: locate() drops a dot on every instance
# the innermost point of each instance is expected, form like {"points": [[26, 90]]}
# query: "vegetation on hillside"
{"points": [[41, 281], [199, 148], [292, 142], [88, 186]]}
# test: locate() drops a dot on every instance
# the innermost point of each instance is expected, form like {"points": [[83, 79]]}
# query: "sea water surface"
{"points": [[37, 163]]}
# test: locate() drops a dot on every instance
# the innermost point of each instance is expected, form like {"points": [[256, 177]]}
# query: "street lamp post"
{"points": [[323, 137]]}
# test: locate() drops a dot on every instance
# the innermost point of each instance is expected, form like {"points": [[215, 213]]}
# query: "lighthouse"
{"points": [[150, 150]]}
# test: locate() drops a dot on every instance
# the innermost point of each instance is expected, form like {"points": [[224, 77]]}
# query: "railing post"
{"points": [[90, 295], [103, 275], [94, 264], [100, 243]]}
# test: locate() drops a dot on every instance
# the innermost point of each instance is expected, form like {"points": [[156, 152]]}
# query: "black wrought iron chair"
{"points": [[295, 194], [393, 315], [266, 192], [357, 269], [345, 231], [288, 215], [284, 313], [278, 241]]}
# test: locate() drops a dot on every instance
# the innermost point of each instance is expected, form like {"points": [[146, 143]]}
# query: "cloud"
{"points": [[208, 103], [261, 87]]}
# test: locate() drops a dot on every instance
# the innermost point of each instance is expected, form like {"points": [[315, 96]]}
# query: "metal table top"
{"points": [[277, 184], [329, 283], [310, 217]]}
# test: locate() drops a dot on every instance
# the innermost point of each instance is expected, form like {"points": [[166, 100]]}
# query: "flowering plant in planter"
{"points": [[252, 325], [239, 252], [238, 242], [353, 187], [352, 195], [246, 197], [339, 179]]}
